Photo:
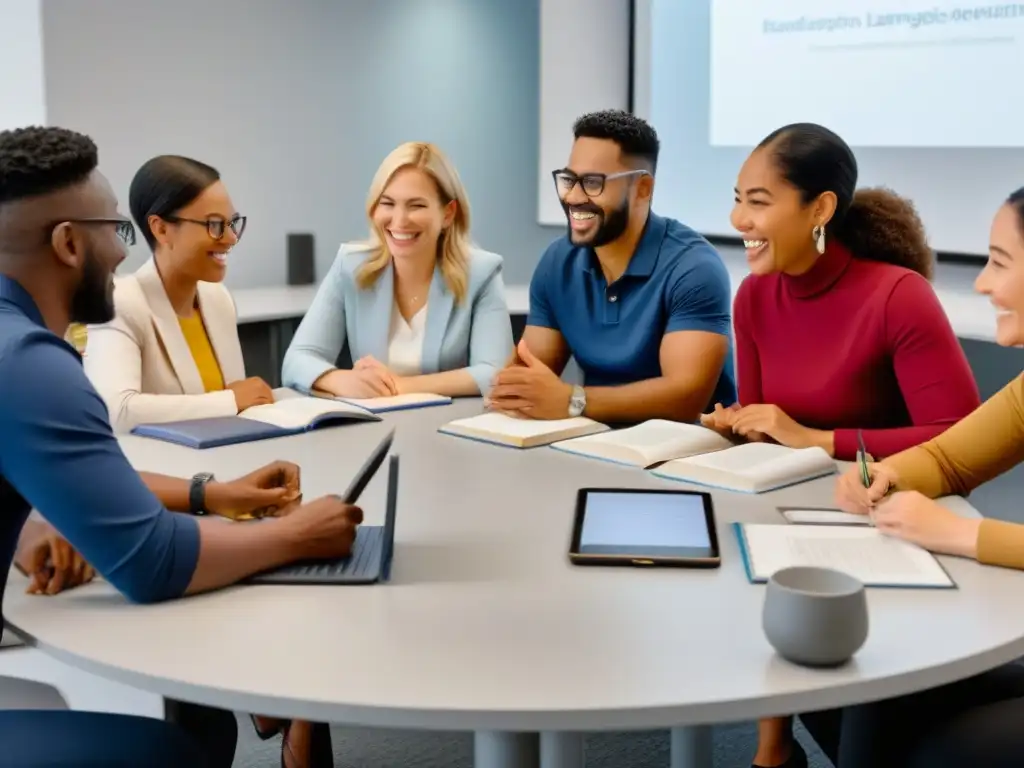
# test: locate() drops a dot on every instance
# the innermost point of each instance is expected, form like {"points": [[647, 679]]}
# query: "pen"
{"points": [[862, 457]]}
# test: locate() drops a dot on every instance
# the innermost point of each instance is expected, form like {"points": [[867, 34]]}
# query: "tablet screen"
{"points": [[645, 524]]}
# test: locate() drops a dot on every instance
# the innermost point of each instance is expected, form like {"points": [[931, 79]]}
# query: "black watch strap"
{"points": [[197, 493]]}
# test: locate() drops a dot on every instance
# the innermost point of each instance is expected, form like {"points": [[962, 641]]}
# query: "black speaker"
{"points": [[301, 259]]}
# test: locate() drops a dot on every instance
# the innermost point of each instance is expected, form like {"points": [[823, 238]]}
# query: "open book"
{"points": [[865, 553], [750, 467], [396, 402], [290, 414], [520, 433], [649, 443]]}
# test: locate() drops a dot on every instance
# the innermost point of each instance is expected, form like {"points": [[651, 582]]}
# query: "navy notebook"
{"points": [[290, 416]]}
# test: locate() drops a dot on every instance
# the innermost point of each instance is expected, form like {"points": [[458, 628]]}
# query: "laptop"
{"points": [[373, 548]]}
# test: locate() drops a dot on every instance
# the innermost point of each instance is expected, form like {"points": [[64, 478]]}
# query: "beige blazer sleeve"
{"points": [[140, 362]]}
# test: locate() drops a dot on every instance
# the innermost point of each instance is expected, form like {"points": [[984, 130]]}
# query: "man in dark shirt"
{"points": [[61, 238]]}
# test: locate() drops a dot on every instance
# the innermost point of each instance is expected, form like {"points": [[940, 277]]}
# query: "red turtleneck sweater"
{"points": [[852, 344]]}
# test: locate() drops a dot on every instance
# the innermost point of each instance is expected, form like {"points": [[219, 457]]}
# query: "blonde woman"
{"points": [[420, 308]]}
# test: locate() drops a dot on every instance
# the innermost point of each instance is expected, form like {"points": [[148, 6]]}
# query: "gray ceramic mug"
{"points": [[815, 616]]}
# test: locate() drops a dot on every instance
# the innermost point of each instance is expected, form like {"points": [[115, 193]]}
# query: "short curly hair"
{"points": [[635, 137], [37, 160]]}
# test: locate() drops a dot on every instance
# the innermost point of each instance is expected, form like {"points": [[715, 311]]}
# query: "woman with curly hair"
{"points": [[838, 331]]}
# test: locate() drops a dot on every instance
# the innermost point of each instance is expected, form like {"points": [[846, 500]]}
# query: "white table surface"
{"points": [[486, 625], [971, 314]]}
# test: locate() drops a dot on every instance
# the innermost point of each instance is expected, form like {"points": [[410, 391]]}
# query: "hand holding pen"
{"points": [[865, 484]]}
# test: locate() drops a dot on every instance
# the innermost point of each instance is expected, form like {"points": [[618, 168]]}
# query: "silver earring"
{"points": [[818, 235]]}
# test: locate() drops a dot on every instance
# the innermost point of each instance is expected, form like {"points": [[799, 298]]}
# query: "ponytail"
{"points": [[882, 226]]}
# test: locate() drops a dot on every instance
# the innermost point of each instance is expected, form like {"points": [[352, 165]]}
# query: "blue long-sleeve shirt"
{"points": [[58, 454]]}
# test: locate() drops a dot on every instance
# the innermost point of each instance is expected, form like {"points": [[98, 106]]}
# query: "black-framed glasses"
{"points": [[591, 183], [216, 226], [124, 228]]}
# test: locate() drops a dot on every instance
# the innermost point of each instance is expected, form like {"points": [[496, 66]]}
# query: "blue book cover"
{"points": [[291, 416]]}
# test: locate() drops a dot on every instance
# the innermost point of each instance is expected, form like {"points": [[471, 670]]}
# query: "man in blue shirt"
{"points": [[641, 302], [61, 238]]}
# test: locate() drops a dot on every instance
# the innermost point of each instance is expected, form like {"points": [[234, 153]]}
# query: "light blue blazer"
{"points": [[474, 334]]}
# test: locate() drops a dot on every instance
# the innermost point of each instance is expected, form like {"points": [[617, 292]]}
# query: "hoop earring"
{"points": [[818, 235]]}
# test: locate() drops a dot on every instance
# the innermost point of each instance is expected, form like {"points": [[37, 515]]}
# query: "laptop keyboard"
{"points": [[364, 558]]}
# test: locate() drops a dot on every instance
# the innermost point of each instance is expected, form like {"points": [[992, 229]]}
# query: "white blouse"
{"points": [[405, 342]]}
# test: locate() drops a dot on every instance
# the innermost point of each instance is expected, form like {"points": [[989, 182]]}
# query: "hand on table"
{"points": [[324, 528], [913, 517], [250, 392], [367, 378], [758, 422], [852, 496], [529, 389], [50, 561], [721, 419], [272, 490]]}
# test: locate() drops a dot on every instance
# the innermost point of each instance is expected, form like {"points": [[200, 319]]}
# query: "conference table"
{"points": [[485, 626]]}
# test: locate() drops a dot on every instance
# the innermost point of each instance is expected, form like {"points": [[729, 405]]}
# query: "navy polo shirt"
{"points": [[676, 281], [59, 454]]}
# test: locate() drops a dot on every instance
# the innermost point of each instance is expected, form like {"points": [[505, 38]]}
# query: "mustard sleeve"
{"points": [[1001, 543], [979, 447]]}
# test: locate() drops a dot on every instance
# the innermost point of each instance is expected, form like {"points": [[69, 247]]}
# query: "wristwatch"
{"points": [[197, 493], [577, 401]]}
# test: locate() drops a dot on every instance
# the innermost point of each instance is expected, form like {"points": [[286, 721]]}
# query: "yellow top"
{"points": [[202, 352], [77, 337], [981, 446]]}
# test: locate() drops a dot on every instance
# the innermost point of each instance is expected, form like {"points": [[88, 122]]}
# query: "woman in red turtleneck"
{"points": [[837, 328]]}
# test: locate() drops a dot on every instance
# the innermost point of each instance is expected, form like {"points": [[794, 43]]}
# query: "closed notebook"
{"points": [[520, 433], [750, 467], [291, 415], [646, 444], [865, 553]]}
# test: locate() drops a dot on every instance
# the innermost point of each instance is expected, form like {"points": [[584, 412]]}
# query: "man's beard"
{"points": [[93, 301], [611, 227]]}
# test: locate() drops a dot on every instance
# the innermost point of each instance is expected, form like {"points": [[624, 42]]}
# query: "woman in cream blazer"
{"points": [[172, 351], [141, 363]]}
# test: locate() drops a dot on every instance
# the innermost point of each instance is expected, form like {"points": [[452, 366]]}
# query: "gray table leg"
{"points": [[498, 749], [692, 747], [561, 750]]}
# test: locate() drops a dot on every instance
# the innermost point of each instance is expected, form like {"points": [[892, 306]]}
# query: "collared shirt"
{"points": [[675, 281], [58, 454]]}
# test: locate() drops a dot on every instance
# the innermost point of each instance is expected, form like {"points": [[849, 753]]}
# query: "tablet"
{"points": [[624, 526]]}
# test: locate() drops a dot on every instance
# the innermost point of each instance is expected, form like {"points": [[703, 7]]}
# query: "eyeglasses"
{"points": [[592, 183], [124, 228], [216, 226]]}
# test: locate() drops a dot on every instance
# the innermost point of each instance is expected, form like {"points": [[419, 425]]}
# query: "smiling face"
{"points": [[601, 214], [773, 219], [93, 298], [410, 215], [188, 237], [1002, 279]]}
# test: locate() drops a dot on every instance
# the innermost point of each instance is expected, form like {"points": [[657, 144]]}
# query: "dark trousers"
{"points": [[973, 723], [201, 738]]}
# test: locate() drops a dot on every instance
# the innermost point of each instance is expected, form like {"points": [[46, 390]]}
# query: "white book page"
{"points": [[862, 552], [295, 412], [763, 462], [650, 442], [825, 517], [395, 401], [508, 426]]}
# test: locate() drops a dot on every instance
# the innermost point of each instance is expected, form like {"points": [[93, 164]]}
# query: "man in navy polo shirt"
{"points": [[640, 301]]}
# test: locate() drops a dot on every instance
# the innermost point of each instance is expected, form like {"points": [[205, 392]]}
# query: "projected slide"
{"points": [[22, 96], [881, 73]]}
